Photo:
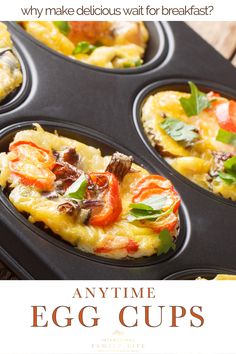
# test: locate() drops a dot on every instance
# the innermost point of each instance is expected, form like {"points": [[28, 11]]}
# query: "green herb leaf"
{"points": [[228, 178], [133, 63], [138, 62], [226, 137], [137, 214], [151, 215], [84, 48], [166, 242], [140, 206], [196, 103], [78, 189], [63, 26], [150, 209], [181, 132], [229, 174]]}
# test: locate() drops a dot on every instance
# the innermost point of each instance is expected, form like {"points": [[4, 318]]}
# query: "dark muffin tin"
{"points": [[101, 107]]}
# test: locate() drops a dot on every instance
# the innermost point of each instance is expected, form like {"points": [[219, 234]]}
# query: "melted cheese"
{"points": [[123, 44], [225, 277]]}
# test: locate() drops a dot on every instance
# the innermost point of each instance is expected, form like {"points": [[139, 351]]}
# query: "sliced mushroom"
{"points": [[120, 165], [74, 209], [69, 208], [70, 156]]}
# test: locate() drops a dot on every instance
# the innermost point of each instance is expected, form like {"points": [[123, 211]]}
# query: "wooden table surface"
{"points": [[222, 36]]}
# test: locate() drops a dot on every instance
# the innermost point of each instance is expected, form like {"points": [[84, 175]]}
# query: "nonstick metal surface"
{"points": [[101, 107]]}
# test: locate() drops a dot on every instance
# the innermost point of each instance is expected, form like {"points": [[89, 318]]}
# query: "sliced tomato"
{"points": [[131, 247], [146, 193], [27, 150], [32, 175], [215, 99], [226, 115], [154, 184], [157, 185], [151, 181], [103, 250], [169, 223], [173, 199], [32, 164], [90, 31], [110, 212]]}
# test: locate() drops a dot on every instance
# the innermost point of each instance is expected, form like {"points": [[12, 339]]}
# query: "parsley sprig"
{"points": [[196, 103], [167, 242], [84, 48], [183, 133], [226, 137], [63, 26]]}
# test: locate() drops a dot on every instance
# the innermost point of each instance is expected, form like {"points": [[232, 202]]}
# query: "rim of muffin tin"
{"points": [[18, 96], [163, 34], [66, 129], [177, 84], [193, 274]]}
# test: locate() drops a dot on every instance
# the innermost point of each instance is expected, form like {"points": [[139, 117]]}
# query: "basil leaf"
{"points": [[155, 203], [151, 215], [230, 164], [137, 214], [78, 189], [63, 26], [181, 132], [149, 209], [196, 103], [226, 137], [228, 178], [84, 48], [166, 242], [140, 206]]}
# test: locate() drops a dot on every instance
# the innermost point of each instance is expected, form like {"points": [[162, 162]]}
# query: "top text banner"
{"points": [[135, 10]]}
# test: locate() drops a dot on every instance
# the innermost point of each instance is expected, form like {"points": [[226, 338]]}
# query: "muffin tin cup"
{"points": [[107, 147], [155, 53], [96, 107], [182, 86]]}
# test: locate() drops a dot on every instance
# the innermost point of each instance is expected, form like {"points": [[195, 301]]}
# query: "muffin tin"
{"points": [[101, 107]]}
